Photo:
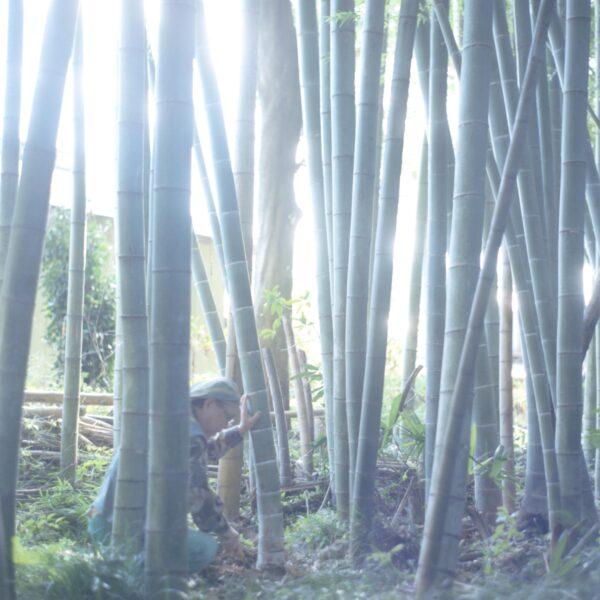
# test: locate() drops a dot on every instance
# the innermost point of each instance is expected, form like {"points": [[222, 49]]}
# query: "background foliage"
{"points": [[99, 304]]}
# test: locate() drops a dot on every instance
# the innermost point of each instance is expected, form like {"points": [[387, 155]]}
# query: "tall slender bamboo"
{"points": [[342, 159], [409, 351], [308, 56], [557, 43], [24, 254], [130, 493], [283, 450], [570, 260], [325, 112], [506, 385], [485, 417], [458, 410], [439, 192], [589, 406], [76, 284], [368, 441], [301, 411], [270, 543], [533, 221], [463, 268], [360, 219], [166, 522], [209, 309], [11, 144], [597, 458], [213, 218]]}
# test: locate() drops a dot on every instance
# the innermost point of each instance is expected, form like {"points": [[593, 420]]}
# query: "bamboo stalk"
{"points": [[76, 283], [301, 401], [285, 469], [506, 385]]}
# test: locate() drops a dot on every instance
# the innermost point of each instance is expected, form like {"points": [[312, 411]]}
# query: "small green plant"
{"points": [[66, 571], [501, 541], [409, 436], [315, 531], [60, 510]]}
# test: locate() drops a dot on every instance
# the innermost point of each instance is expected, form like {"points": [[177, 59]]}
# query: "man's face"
{"points": [[215, 415]]}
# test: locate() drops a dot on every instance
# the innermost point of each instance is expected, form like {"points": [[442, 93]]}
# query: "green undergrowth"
{"points": [[56, 510]]}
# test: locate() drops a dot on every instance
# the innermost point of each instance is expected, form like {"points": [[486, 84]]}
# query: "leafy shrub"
{"points": [[60, 510], [99, 298], [315, 531]]}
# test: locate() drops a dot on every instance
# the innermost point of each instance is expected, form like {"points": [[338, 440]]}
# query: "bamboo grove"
{"points": [[507, 220]]}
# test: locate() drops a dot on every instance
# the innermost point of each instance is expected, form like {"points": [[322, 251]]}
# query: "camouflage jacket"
{"points": [[204, 505]]}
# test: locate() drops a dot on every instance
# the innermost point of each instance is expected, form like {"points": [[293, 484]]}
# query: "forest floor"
{"points": [[55, 560]]}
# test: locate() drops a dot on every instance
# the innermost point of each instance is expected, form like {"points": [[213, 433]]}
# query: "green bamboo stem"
{"points": [[283, 450], [570, 258], [597, 457], [342, 159], [325, 114], [439, 192], [308, 56], [409, 352], [24, 253], [368, 441], [76, 284], [130, 493], [458, 411], [213, 218], [592, 181], [505, 387], [540, 422], [209, 309], [589, 406], [360, 220], [533, 221], [11, 144], [270, 542], [303, 422], [463, 269], [166, 522]]}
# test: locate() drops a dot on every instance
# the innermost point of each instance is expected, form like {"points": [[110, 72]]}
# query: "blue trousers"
{"points": [[202, 547]]}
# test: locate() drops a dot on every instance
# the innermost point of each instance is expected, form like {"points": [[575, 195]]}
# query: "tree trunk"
{"points": [[570, 260], [365, 152], [342, 61], [11, 144], [364, 485], [166, 523], [276, 210], [506, 385], [76, 285], [24, 253], [309, 87], [439, 192], [270, 517]]}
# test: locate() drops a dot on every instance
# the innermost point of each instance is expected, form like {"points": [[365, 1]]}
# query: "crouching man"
{"points": [[214, 404]]}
